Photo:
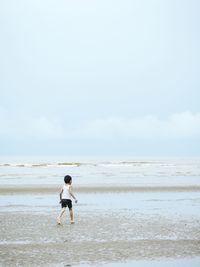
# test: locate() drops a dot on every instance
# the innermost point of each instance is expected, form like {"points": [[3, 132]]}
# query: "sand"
{"points": [[24, 189], [34, 239]]}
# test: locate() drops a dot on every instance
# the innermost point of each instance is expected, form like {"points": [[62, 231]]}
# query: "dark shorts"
{"points": [[66, 203]]}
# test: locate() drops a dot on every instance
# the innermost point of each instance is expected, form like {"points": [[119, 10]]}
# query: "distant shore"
{"points": [[22, 189]]}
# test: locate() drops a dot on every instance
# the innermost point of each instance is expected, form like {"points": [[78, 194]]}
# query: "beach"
{"points": [[142, 211]]}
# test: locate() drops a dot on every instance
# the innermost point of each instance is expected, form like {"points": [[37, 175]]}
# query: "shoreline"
{"points": [[8, 189]]}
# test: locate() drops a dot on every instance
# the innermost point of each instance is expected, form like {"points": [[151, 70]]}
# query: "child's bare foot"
{"points": [[58, 221], [72, 222]]}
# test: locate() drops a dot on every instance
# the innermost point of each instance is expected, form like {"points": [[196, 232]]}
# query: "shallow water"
{"points": [[192, 262], [184, 203]]}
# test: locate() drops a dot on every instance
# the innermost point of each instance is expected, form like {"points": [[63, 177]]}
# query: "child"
{"points": [[66, 196]]}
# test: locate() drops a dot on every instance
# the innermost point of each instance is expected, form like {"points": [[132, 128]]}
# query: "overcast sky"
{"points": [[117, 78]]}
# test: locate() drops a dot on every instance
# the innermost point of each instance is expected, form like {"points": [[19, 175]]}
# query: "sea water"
{"points": [[90, 171], [193, 262]]}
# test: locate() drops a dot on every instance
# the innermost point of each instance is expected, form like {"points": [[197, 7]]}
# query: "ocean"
{"points": [[85, 171]]}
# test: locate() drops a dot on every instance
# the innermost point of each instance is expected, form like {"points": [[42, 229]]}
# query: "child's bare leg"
{"points": [[60, 215], [71, 215]]}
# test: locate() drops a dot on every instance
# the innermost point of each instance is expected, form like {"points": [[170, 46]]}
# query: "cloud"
{"points": [[23, 127], [178, 125]]}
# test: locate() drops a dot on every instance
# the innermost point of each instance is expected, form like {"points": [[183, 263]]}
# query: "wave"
{"points": [[38, 165], [138, 163]]}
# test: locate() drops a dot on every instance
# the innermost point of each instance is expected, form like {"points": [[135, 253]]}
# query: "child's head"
{"points": [[68, 179]]}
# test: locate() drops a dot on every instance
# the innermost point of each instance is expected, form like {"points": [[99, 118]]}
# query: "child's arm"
{"points": [[71, 193], [61, 194]]}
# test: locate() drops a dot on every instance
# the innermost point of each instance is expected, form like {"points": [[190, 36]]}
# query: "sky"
{"points": [[100, 78]]}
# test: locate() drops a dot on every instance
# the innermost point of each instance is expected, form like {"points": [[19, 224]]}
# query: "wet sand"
{"points": [[34, 239], [10, 189]]}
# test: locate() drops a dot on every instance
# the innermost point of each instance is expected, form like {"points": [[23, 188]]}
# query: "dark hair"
{"points": [[67, 179]]}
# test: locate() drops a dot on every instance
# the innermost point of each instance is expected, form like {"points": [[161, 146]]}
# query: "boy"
{"points": [[66, 196]]}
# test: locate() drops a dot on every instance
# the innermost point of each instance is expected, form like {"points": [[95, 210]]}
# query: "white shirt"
{"points": [[66, 192]]}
